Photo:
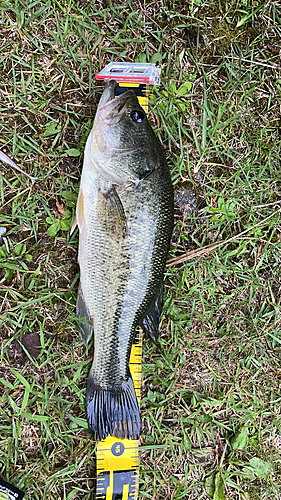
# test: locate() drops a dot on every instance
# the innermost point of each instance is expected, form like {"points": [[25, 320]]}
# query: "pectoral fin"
{"points": [[73, 225], [112, 210], [86, 327], [150, 321], [79, 217]]}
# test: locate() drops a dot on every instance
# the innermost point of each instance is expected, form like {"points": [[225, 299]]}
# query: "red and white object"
{"points": [[131, 72]]}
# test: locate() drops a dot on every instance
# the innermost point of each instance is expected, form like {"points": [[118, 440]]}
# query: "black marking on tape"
{"points": [[140, 91], [121, 479]]}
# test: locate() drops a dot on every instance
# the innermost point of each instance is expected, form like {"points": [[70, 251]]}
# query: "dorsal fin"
{"points": [[151, 319]]}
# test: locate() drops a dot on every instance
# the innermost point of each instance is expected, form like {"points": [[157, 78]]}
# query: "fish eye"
{"points": [[138, 115]]}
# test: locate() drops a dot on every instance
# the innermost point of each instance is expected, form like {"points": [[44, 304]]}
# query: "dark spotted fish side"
{"points": [[125, 218]]}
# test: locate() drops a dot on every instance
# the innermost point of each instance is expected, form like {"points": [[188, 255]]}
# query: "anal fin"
{"points": [[86, 327]]}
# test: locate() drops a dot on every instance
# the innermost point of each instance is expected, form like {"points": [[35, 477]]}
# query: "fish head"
{"points": [[112, 110], [122, 139]]}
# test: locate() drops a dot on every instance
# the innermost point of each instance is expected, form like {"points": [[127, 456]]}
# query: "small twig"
{"points": [[214, 164], [194, 253], [259, 63], [209, 248], [268, 204]]}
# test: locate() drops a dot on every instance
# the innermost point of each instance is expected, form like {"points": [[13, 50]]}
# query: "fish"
{"points": [[124, 214]]}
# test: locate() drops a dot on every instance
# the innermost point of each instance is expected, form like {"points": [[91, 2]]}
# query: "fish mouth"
{"points": [[111, 109]]}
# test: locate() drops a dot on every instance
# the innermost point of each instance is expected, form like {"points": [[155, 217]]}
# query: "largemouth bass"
{"points": [[125, 218]]}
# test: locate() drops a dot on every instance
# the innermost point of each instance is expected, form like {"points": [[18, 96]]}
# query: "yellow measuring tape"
{"points": [[140, 89], [118, 459]]}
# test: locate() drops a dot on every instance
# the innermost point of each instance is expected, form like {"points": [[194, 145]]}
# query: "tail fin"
{"points": [[114, 411]]}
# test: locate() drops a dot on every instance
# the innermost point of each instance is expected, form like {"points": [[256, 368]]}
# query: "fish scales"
{"points": [[125, 218]]}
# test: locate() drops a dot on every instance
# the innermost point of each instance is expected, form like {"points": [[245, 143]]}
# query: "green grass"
{"points": [[211, 387]]}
